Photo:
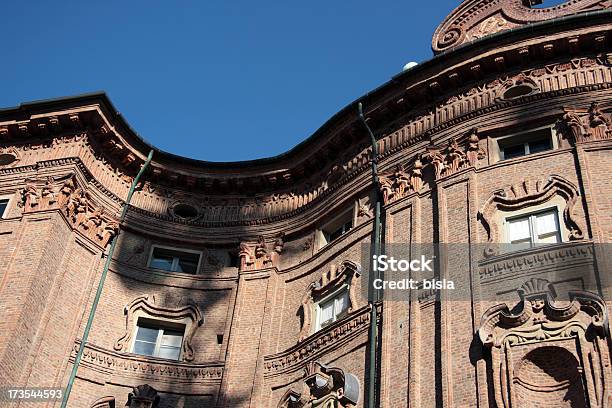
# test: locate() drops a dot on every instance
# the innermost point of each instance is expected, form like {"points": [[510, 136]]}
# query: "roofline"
{"points": [[590, 17]]}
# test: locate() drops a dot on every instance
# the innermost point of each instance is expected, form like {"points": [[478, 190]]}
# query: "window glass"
{"points": [[3, 204], [333, 309], [532, 229], [158, 341], [342, 304], [327, 313], [174, 261], [511, 152], [541, 145]]}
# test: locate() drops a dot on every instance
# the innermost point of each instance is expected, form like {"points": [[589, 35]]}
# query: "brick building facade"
{"points": [[240, 284]]}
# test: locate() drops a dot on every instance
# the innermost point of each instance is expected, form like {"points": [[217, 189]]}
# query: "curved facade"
{"points": [[240, 284]]}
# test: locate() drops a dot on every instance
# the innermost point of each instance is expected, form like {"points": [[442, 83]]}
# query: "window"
{"points": [[536, 141], [158, 341], [532, 229], [332, 308], [4, 202], [336, 228], [174, 261]]}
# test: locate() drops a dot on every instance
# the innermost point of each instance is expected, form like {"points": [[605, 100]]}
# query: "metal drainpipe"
{"points": [[94, 306], [373, 274]]}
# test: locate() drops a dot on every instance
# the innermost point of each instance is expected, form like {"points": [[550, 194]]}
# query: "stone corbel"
{"points": [[330, 281], [457, 155], [260, 254], [324, 387], [403, 180], [520, 196], [143, 396], [147, 304]]}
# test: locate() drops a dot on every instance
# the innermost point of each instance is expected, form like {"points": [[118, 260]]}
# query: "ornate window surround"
{"points": [[331, 282], [144, 306], [579, 326], [528, 197]]}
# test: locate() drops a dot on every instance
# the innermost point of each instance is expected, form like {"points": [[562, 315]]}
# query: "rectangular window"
{"points": [[332, 309], [158, 341], [337, 228], [174, 260], [538, 228], [3, 206], [535, 141]]}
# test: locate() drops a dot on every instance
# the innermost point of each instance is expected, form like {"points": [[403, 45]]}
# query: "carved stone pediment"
{"points": [[330, 281], [474, 19], [147, 305], [526, 194], [325, 387]]}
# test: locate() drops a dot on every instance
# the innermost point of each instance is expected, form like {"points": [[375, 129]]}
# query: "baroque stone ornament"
{"points": [[402, 181], [325, 387], [146, 305], [474, 19], [569, 335], [330, 281], [458, 154], [50, 193], [586, 125], [143, 396], [526, 194], [260, 254]]}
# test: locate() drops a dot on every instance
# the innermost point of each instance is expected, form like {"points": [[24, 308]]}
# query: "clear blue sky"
{"points": [[214, 80]]}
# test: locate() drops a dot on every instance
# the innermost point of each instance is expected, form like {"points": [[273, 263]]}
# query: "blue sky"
{"points": [[214, 80]]}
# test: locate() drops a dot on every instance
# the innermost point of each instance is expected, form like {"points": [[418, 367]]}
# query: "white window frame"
{"points": [[160, 325], [501, 139], [175, 260], [334, 295], [322, 234], [9, 198], [533, 234]]}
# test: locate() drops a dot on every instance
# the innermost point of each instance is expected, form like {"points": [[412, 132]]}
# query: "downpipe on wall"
{"points": [[94, 306], [375, 250]]}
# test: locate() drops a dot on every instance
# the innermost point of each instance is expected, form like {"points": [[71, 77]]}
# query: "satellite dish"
{"points": [[409, 65]]}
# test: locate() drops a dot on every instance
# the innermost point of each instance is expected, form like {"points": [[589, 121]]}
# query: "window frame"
{"points": [[9, 200], [175, 259], [161, 326], [501, 140], [335, 295], [533, 234], [323, 234]]}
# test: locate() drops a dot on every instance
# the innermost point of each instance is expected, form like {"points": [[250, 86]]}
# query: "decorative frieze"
{"points": [[138, 366]]}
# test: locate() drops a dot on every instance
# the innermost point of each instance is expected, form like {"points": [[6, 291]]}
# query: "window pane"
{"points": [[327, 313], [546, 223], [511, 152], [171, 338], [187, 266], [552, 238], [541, 145], [146, 334], [342, 303], [171, 353], [160, 262], [3, 205], [144, 348], [518, 229]]}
